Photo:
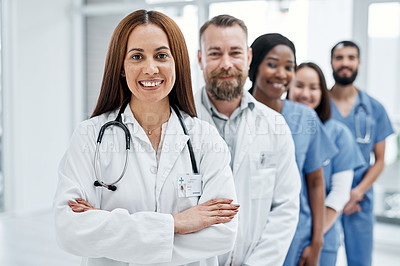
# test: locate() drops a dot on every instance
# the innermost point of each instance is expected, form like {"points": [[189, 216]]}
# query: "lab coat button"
{"points": [[153, 170]]}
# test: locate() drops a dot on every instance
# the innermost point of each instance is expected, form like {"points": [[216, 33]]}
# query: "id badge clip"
{"points": [[189, 185], [266, 160]]}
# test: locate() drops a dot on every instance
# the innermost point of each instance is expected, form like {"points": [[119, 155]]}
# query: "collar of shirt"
{"points": [[246, 102]]}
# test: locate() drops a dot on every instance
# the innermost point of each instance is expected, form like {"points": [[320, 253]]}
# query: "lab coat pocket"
{"points": [[263, 172], [262, 183]]}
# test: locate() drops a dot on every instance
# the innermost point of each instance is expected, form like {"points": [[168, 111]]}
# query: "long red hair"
{"points": [[114, 89]]}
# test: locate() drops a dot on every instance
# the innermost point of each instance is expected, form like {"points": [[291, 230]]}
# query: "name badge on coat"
{"points": [[189, 185], [266, 160]]}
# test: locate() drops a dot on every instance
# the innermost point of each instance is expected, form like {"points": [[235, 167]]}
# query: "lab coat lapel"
{"points": [[245, 136], [202, 112], [135, 129], [174, 142]]}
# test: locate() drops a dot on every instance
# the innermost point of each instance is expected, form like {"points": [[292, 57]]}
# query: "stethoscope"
{"points": [[118, 122], [362, 107]]}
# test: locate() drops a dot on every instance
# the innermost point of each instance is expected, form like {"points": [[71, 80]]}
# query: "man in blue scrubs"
{"points": [[369, 123]]}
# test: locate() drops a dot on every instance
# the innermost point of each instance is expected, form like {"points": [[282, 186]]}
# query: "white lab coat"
{"points": [[135, 225], [267, 184]]}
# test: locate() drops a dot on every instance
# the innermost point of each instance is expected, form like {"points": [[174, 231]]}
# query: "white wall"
{"points": [[37, 67], [41, 92]]}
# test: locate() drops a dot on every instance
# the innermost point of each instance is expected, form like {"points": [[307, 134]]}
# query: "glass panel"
{"points": [[289, 18], [384, 20], [104, 1], [383, 54], [149, 2], [1, 124], [382, 83], [98, 33], [165, 1]]}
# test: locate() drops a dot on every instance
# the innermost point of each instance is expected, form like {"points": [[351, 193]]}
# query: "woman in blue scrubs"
{"points": [[309, 88], [271, 71]]}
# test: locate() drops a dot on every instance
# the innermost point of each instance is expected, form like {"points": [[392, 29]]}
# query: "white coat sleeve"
{"points": [[281, 226], [217, 183], [142, 237], [340, 190], [115, 234]]}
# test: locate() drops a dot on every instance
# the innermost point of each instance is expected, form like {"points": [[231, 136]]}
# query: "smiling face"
{"points": [[275, 72], [306, 88], [225, 59], [345, 63], [149, 66]]}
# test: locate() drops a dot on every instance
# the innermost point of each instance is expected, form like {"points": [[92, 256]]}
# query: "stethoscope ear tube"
{"points": [[118, 124], [189, 143]]}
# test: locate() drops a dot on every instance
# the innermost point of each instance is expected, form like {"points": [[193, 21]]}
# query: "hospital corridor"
{"points": [[29, 239], [53, 62]]}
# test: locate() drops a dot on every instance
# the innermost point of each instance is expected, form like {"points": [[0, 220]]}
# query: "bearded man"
{"points": [[263, 161], [370, 125]]}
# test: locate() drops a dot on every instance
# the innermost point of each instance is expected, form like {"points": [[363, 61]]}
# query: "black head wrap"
{"points": [[260, 48]]}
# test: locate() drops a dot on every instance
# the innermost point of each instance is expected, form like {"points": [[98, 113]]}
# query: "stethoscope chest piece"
{"points": [[361, 107]]}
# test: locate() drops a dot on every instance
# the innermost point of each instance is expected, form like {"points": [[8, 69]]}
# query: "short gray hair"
{"points": [[223, 21]]}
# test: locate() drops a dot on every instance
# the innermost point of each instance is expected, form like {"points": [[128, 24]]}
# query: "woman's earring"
{"points": [[123, 74]]}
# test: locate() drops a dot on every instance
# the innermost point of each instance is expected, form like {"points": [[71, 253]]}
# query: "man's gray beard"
{"points": [[225, 91]]}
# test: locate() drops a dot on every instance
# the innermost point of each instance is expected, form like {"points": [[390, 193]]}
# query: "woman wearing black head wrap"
{"points": [[262, 45], [271, 72]]}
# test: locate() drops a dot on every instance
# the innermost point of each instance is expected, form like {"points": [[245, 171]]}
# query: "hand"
{"points": [[310, 255], [80, 205], [353, 206], [203, 215]]}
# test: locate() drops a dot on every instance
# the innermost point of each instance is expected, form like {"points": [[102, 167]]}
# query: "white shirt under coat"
{"points": [[135, 225], [267, 184]]}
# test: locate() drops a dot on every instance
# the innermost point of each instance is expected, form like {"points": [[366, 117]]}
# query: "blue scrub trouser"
{"points": [[300, 240], [331, 245], [328, 258], [358, 235]]}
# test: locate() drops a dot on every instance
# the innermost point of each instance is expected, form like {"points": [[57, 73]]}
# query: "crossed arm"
{"points": [[211, 212]]}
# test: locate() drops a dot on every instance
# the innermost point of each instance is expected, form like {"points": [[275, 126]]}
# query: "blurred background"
{"points": [[52, 60]]}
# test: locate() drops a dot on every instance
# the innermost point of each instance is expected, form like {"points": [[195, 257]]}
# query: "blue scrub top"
{"points": [[380, 128], [312, 147], [349, 157]]}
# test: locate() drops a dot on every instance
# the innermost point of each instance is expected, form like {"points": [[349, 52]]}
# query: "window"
{"points": [[383, 82], [1, 123]]}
